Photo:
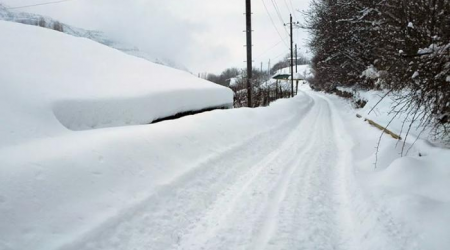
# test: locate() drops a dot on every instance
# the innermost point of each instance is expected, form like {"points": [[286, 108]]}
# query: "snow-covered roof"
{"points": [[303, 72], [283, 76], [51, 82]]}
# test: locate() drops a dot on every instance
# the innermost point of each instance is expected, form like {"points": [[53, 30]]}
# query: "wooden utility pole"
{"points": [[292, 60], [248, 15], [296, 63], [292, 54]]}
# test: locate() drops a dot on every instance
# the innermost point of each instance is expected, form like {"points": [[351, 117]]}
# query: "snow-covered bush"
{"points": [[400, 46]]}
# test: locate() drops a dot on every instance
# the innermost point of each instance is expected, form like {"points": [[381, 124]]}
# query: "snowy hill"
{"points": [[100, 37]]}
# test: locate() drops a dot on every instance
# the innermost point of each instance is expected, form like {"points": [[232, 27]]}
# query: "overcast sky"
{"points": [[203, 35]]}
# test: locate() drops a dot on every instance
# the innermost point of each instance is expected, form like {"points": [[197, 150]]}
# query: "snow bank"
{"points": [[414, 188], [380, 108], [381, 112], [49, 79], [57, 192]]}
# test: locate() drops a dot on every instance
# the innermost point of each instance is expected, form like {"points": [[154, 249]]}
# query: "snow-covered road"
{"points": [[288, 188], [81, 168]]}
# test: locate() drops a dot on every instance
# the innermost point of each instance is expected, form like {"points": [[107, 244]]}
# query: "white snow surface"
{"points": [[51, 82], [414, 187], [298, 174], [94, 35], [371, 73]]}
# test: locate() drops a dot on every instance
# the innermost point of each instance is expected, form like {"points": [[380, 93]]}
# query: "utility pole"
{"points": [[248, 15], [292, 55], [268, 68], [292, 60], [296, 63], [261, 66]]}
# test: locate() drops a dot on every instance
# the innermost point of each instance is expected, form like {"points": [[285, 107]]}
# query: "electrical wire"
{"points": [[284, 53], [38, 4], [277, 10], [293, 9], [269, 49], [273, 23], [287, 7]]}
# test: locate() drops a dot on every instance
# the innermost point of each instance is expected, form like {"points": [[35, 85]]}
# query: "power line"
{"points": [[271, 47], [277, 10], [287, 6], [273, 23], [284, 53], [293, 9], [38, 4], [280, 16]]}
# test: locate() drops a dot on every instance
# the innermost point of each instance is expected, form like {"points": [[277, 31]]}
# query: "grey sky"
{"points": [[204, 35]]}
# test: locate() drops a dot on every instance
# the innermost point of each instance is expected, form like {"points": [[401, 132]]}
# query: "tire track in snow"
{"points": [[233, 222], [160, 221], [306, 218], [291, 187], [270, 225]]}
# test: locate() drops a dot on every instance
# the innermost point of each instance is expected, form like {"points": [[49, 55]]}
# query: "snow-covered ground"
{"points": [[293, 175], [298, 174], [379, 108], [412, 189]]}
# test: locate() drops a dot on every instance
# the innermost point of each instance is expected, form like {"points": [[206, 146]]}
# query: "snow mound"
{"points": [[413, 187], [94, 35], [49, 78]]}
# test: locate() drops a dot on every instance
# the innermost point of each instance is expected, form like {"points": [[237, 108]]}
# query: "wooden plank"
{"points": [[385, 130]]}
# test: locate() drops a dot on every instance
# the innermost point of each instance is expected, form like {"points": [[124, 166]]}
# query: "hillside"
{"points": [[98, 36]]}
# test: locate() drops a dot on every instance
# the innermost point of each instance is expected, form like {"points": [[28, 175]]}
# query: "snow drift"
{"points": [[413, 187], [57, 184], [50, 78], [94, 35]]}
